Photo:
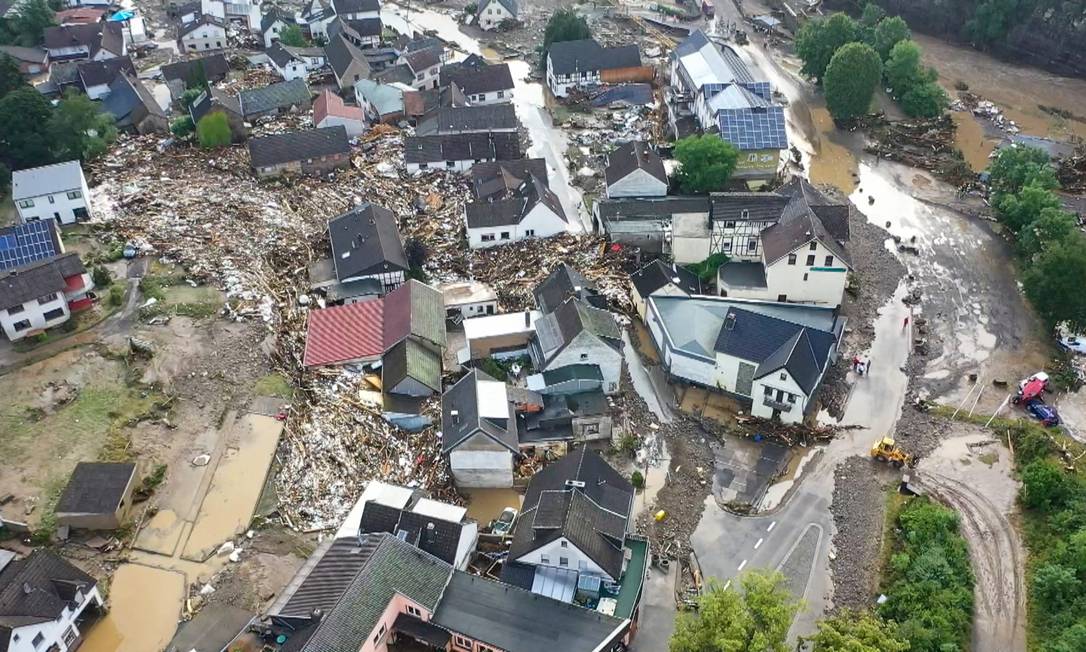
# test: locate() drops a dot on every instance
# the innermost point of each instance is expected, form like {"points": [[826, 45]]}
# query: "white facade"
{"points": [[540, 222], [354, 127], [561, 553], [450, 166], [482, 469], [427, 78], [298, 67], [38, 314], [493, 97], [271, 35], [586, 348], [560, 85], [62, 633], [204, 38], [810, 274], [778, 395], [66, 202], [492, 13], [638, 183]]}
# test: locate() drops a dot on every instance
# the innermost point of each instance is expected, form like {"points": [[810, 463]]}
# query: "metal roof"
{"points": [[45, 180]]}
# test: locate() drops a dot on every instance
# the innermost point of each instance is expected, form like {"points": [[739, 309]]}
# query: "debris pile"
{"points": [[1071, 171], [859, 503], [925, 143], [985, 109]]}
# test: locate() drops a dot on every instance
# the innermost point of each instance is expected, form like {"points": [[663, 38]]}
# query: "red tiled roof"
{"points": [[345, 333], [328, 103], [79, 16]]}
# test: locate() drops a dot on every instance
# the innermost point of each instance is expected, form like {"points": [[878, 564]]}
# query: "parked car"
{"points": [[504, 523], [1043, 412], [1073, 343]]}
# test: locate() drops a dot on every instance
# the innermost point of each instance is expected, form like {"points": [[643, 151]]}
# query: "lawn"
{"points": [[273, 385]]}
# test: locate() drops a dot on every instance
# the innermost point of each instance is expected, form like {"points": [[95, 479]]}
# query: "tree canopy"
{"points": [[30, 21], [1017, 167], [1052, 225], [1054, 283], [706, 163], [857, 631], [755, 619], [851, 79], [292, 35], [888, 33], [213, 130], [24, 129], [10, 77], [79, 130], [1018, 210], [565, 25], [818, 40]]}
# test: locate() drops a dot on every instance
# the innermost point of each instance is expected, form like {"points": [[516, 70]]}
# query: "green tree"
{"points": [[292, 35], [1054, 585], [753, 620], [872, 14], [888, 33], [189, 96], [1050, 227], [992, 20], [1016, 167], [818, 40], [24, 129], [79, 130], [213, 130], [182, 127], [706, 163], [925, 100], [857, 631], [903, 69], [1043, 485], [564, 25], [30, 21], [1016, 211], [197, 76], [1054, 285], [10, 77], [851, 79]]}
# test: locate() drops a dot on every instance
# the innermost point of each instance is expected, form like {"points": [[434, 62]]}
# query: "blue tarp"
{"points": [[122, 16]]}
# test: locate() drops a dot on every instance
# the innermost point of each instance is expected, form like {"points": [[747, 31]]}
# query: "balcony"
{"points": [[783, 406]]}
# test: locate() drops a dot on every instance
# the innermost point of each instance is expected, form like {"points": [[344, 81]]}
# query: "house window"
{"points": [[380, 633], [726, 246], [26, 203], [75, 194], [805, 275], [21, 325], [486, 648], [46, 298], [784, 376], [729, 224], [14, 310], [419, 77], [768, 391], [544, 559], [69, 636], [55, 313], [752, 245], [564, 543], [461, 642], [814, 245], [414, 611], [584, 356], [752, 158], [791, 259], [782, 298], [810, 260], [39, 638], [528, 233], [745, 214], [218, 44], [829, 261], [791, 398], [487, 237], [501, 93], [592, 429], [505, 235], [423, 166], [52, 200], [563, 561]]}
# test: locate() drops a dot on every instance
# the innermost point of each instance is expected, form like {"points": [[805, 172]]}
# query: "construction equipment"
{"points": [[886, 450]]}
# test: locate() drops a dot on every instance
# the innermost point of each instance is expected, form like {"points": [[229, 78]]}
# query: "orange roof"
{"points": [[345, 333], [79, 16], [330, 104]]}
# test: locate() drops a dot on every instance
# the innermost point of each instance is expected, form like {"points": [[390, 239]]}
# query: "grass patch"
{"points": [[47, 526], [273, 385]]}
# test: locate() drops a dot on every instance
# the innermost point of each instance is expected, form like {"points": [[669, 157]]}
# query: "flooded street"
{"points": [[145, 605], [485, 505]]}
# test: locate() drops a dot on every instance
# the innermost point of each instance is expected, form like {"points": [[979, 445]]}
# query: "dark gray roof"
{"points": [[36, 589], [215, 68], [588, 55], [420, 60], [321, 582], [279, 54], [514, 208], [655, 208], [463, 398], [127, 94], [96, 488], [217, 98], [94, 36], [268, 19], [593, 517], [366, 240], [455, 119], [634, 155], [401, 72], [341, 54], [510, 5], [657, 274], [801, 223], [436, 536], [511, 618], [743, 274], [96, 73], [556, 330], [774, 343], [478, 79], [29, 55], [461, 147], [280, 95], [203, 19], [562, 283], [496, 179], [748, 206], [41, 277], [355, 6], [297, 145], [394, 567]]}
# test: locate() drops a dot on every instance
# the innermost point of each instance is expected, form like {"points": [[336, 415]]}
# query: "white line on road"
{"points": [[740, 569], [771, 526], [758, 544]]}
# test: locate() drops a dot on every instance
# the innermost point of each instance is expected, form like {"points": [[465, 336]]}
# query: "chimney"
{"points": [[317, 615], [527, 318], [430, 532], [455, 415], [729, 321]]}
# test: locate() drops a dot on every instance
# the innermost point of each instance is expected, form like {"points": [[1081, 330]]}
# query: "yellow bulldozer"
{"points": [[886, 450]]}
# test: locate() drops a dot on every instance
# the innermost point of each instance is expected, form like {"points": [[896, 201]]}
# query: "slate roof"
{"points": [[345, 333], [217, 98], [268, 20], [409, 359], [41, 277], [514, 208], [657, 274], [29, 55], [649, 208], [203, 19], [510, 5], [774, 343], [455, 119], [96, 488], [510, 618], [94, 36], [562, 283], [414, 310], [461, 147], [464, 398], [800, 223], [556, 330], [394, 567], [342, 53], [126, 94], [420, 60], [587, 55], [46, 179], [280, 95], [634, 155], [277, 149], [52, 581], [473, 80], [496, 179], [320, 585], [594, 517], [441, 541], [279, 54], [96, 73], [215, 68], [21, 244], [355, 6], [747, 206]]}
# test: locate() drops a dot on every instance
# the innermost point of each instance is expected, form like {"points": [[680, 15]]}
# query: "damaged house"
{"points": [[274, 99], [368, 258], [576, 333], [585, 63], [133, 107], [530, 209], [561, 284], [295, 63], [310, 151], [458, 152], [660, 279]]}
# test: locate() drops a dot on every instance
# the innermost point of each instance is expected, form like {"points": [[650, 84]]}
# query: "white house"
{"points": [[770, 356], [316, 15], [329, 111], [47, 598], [479, 82], [577, 333], [491, 13], [531, 211], [479, 432], [425, 65], [581, 64], [357, 9], [295, 63], [58, 191], [94, 41], [42, 294], [203, 34], [466, 299], [659, 279], [272, 25], [458, 152], [635, 170]]}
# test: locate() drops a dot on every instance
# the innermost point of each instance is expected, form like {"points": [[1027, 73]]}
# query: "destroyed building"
{"points": [[311, 151], [368, 258]]}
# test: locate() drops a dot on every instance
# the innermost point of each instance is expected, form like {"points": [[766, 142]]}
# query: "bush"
{"points": [[1044, 486], [706, 269], [116, 294], [182, 127], [101, 276], [213, 130], [637, 480]]}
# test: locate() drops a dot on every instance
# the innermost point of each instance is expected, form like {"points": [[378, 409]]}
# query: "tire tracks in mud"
{"points": [[999, 619]]}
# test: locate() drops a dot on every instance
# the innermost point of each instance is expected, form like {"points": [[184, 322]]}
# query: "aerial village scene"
{"points": [[542, 326]]}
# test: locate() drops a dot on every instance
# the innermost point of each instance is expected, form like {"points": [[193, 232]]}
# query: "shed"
{"points": [[98, 495]]}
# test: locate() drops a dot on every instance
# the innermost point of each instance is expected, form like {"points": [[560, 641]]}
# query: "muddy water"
{"points": [[831, 163], [144, 605], [970, 138], [485, 505]]}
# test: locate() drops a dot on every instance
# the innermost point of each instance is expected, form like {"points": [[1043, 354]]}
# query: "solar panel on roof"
{"points": [[26, 243]]}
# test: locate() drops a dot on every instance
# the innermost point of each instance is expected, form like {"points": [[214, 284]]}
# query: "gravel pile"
{"points": [[858, 511]]}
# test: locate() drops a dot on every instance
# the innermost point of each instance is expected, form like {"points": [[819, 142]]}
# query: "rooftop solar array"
{"points": [[25, 243], [751, 129]]}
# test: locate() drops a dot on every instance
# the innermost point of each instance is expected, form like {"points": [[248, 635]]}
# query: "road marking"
{"points": [[771, 526], [758, 544], [740, 569]]}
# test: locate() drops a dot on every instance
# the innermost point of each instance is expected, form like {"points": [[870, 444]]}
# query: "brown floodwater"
{"points": [[970, 138], [832, 163], [485, 505], [144, 606]]}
